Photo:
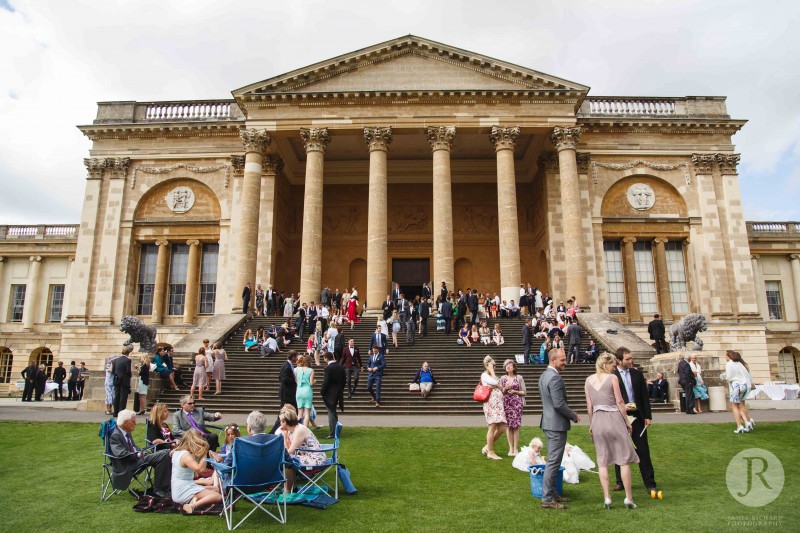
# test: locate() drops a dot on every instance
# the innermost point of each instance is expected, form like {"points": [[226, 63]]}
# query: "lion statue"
{"points": [[139, 332], [685, 330]]}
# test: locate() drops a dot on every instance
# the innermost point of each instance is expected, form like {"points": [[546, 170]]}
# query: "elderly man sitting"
{"points": [[256, 432], [129, 459], [188, 417]]}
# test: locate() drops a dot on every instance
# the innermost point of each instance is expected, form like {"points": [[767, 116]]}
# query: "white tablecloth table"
{"points": [[776, 392], [49, 387]]}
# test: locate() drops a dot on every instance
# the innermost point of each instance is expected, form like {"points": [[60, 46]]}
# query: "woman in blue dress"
{"points": [[304, 376], [250, 342]]}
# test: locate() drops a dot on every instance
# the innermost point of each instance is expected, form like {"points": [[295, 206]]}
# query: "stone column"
{"points": [[315, 140], [761, 290], [504, 140], [664, 297], [631, 289], [441, 140], [67, 287], [160, 284], [192, 282], [378, 140], [32, 293], [565, 140], [255, 147], [77, 306], [265, 270], [794, 260]]}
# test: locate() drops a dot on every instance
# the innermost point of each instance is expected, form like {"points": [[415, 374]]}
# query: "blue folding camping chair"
{"points": [[143, 477], [315, 476], [256, 475]]}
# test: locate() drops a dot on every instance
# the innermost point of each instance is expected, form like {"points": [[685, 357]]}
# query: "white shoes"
{"points": [[750, 425], [741, 429], [607, 503], [629, 504]]}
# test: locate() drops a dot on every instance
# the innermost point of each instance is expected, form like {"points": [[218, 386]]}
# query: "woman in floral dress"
{"points": [[513, 393], [493, 408]]}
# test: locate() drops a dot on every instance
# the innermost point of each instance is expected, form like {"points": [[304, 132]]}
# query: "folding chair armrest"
{"points": [[327, 447], [219, 467], [215, 428]]}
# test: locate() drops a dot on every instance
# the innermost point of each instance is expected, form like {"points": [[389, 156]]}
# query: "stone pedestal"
{"points": [[255, 145], [504, 140], [315, 140], [441, 141], [378, 140]]}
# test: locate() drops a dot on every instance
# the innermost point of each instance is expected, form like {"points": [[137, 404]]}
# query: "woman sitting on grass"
{"points": [[188, 460]]}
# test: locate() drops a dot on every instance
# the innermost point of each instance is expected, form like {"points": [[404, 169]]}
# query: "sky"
{"points": [[62, 57]]}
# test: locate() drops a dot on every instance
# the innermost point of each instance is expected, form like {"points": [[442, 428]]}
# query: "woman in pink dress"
{"points": [[493, 409]]}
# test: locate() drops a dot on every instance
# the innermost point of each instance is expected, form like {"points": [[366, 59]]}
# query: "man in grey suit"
{"points": [[573, 335], [556, 416]]}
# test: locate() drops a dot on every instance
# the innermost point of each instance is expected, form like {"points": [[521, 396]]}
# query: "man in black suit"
{"points": [[426, 291], [300, 321], [396, 293], [472, 303], [402, 309], [527, 339], [443, 291], [333, 390], [29, 375], [447, 315], [388, 307], [40, 383], [246, 292], [424, 314], [121, 368], [272, 299], [59, 375], [378, 340], [656, 330], [687, 381], [336, 299], [659, 388], [129, 459], [351, 362], [633, 387], [288, 390]]}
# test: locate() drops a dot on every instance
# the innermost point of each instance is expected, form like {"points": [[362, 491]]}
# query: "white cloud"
{"points": [[62, 57]]}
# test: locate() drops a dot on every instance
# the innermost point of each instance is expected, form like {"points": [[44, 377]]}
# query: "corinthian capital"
{"points": [[272, 164], [255, 140], [315, 139], [95, 167], [441, 137], [728, 163], [378, 138], [565, 137], [583, 159], [118, 166], [703, 163], [503, 137], [237, 162], [548, 162]]}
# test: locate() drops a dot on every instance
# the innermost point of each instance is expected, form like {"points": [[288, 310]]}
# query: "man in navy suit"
{"points": [[378, 340], [375, 367]]}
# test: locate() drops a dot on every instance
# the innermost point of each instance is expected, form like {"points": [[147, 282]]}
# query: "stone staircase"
{"points": [[252, 381]]}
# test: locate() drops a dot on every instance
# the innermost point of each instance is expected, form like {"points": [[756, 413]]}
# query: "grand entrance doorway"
{"points": [[411, 274]]}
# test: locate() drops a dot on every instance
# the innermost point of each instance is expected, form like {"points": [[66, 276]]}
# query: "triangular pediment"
{"points": [[410, 64]]}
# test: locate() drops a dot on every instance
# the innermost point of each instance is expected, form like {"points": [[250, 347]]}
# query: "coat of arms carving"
{"points": [[180, 199]]}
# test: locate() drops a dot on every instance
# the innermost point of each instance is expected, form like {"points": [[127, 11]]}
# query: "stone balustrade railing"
{"points": [[40, 231], [644, 106], [188, 111], [773, 229]]}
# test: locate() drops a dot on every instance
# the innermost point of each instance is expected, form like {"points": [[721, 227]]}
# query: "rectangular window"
{"points": [[6, 362], [208, 278], [147, 279], [179, 266], [615, 281], [17, 303], [56, 303], [774, 300], [676, 272], [645, 276]]}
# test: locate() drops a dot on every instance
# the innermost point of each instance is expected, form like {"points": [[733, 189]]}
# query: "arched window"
{"points": [[43, 356], [6, 361], [787, 365]]}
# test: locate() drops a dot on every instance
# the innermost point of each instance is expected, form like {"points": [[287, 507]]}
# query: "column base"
{"points": [[372, 312]]}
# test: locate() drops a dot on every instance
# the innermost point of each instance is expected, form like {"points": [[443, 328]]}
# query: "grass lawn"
{"points": [[412, 479]]}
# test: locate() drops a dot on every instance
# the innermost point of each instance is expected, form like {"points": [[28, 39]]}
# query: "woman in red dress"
{"points": [[352, 312]]}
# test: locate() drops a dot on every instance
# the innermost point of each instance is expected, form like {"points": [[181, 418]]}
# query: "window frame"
{"points": [[781, 309], [50, 293], [12, 302]]}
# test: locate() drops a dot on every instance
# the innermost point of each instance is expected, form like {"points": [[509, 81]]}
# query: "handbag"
{"points": [[482, 393], [344, 479]]}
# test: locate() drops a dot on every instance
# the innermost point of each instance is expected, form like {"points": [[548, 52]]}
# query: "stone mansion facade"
{"points": [[406, 161]]}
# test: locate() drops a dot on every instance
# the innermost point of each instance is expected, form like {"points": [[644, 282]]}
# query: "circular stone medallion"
{"points": [[641, 196], [180, 199]]}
